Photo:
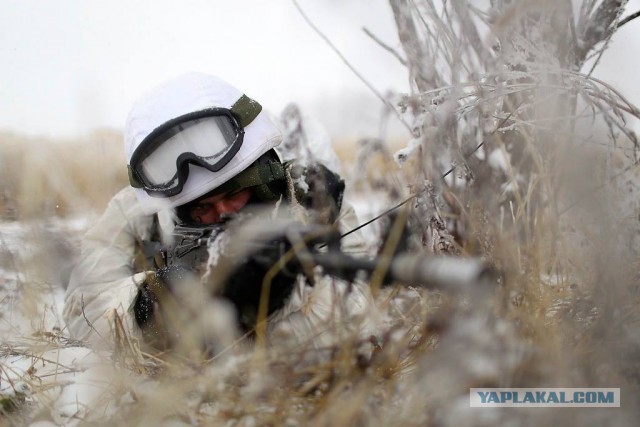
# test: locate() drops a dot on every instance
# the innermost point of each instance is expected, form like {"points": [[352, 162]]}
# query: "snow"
{"points": [[499, 160], [401, 156], [70, 379], [34, 352]]}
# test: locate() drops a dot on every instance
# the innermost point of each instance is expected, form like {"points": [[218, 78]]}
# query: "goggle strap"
{"points": [[245, 110]]}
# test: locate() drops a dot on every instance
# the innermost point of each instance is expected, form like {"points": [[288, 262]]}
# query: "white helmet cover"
{"points": [[187, 94]]}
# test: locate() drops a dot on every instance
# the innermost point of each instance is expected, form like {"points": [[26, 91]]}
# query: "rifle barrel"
{"points": [[443, 273]]}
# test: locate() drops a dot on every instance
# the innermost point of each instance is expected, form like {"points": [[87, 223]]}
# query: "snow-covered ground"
{"points": [[417, 370], [41, 367], [47, 379]]}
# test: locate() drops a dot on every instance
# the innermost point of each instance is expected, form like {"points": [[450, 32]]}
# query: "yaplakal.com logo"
{"points": [[544, 397]]}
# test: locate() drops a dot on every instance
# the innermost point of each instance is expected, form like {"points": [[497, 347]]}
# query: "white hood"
{"points": [[186, 94]]}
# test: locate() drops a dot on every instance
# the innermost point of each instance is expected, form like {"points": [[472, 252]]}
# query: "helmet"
{"points": [[190, 136]]}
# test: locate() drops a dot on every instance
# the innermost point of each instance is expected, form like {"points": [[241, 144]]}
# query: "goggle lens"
{"points": [[208, 139]]}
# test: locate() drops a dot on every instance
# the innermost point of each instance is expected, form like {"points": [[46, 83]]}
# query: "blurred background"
{"points": [[72, 66], [72, 69]]}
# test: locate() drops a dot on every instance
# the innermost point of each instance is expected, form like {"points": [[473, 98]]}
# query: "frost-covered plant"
{"points": [[519, 154], [502, 93]]}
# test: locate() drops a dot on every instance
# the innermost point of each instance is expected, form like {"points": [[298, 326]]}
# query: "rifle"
{"points": [[318, 245], [271, 255]]}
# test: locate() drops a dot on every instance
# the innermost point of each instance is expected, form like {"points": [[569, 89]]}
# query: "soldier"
{"points": [[199, 151]]}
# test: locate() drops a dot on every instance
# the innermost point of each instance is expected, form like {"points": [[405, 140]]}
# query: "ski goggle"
{"points": [[208, 138]]}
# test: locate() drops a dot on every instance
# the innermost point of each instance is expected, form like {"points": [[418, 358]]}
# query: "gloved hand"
{"points": [[244, 287], [155, 298]]}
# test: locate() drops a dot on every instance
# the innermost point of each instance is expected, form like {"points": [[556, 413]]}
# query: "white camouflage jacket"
{"points": [[104, 283]]}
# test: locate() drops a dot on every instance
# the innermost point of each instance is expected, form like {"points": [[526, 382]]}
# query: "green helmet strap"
{"points": [[245, 110], [257, 176]]}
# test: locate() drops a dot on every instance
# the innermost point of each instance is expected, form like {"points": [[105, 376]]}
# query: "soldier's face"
{"points": [[210, 210]]}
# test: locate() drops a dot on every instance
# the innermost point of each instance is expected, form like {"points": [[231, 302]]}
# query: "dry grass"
{"points": [[558, 215], [43, 177], [550, 325]]}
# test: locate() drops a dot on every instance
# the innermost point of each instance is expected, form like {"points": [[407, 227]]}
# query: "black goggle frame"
{"points": [[240, 115]]}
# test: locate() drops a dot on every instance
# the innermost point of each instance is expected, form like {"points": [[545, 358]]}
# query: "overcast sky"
{"points": [[69, 66]]}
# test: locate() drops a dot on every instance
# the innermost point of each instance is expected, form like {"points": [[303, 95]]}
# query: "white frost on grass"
{"points": [[305, 140], [39, 366], [402, 155], [71, 381], [499, 160]]}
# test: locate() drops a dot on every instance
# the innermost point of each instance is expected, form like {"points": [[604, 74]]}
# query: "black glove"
{"points": [[323, 193], [154, 294], [244, 287]]}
